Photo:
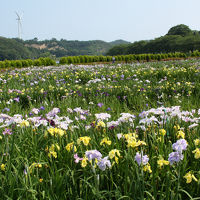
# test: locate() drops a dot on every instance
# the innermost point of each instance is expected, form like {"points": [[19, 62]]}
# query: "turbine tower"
{"points": [[19, 19]]}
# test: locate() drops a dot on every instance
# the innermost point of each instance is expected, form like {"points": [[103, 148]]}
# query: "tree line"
{"points": [[16, 49], [179, 38]]}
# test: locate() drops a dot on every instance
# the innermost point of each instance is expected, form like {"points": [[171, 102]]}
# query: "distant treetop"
{"points": [[180, 29]]}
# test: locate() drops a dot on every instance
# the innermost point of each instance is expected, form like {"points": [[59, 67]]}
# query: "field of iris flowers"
{"points": [[120, 131]]}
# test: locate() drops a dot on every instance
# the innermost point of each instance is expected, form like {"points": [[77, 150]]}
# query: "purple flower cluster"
{"points": [[7, 131], [93, 154], [102, 162], [6, 110], [175, 157], [179, 147], [100, 104], [16, 99], [139, 158]]}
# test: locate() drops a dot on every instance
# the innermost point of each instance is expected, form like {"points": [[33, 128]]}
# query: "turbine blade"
{"points": [[21, 16], [17, 15]]}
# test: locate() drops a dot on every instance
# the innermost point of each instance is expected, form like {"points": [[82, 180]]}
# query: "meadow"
{"points": [[112, 131]]}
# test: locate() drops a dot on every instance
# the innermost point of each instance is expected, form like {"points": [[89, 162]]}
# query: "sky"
{"points": [[107, 20]]}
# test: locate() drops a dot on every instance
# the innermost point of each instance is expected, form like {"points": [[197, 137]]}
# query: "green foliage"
{"points": [[30, 62], [2, 64], [18, 63], [82, 59], [63, 60], [181, 29], [7, 63], [25, 63], [37, 62], [108, 58], [179, 39], [15, 49], [158, 57], [90, 59]]}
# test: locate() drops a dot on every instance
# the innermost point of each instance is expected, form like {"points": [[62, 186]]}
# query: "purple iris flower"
{"points": [[7, 131], [139, 158], [108, 109], [42, 108], [16, 99], [100, 104], [6, 110], [104, 163], [93, 154], [180, 145], [175, 157]]}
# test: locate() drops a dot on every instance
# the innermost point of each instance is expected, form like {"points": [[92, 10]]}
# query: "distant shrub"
{"points": [[43, 61], [13, 63], [86, 59], [162, 56], [158, 57], [169, 55], [108, 58], [173, 55], [195, 53], [77, 59], [25, 63], [119, 58], [95, 58], [70, 60], [82, 59], [166, 55], [2, 64], [183, 55], [152, 56], [127, 58], [49, 61], [30, 62], [123, 58], [101, 58], [74, 59], [18, 63], [37, 62], [90, 59], [7, 63], [132, 57], [138, 58], [148, 57], [63, 60]]}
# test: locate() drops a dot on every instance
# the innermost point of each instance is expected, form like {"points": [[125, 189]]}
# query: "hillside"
{"points": [[179, 38], [63, 47], [19, 49], [12, 49]]}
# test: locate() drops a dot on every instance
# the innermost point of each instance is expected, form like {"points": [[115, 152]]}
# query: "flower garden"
{"points": [[112, 131]]}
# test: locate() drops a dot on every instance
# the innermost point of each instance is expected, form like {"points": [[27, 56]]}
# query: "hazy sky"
{"points": [[107, 20]]}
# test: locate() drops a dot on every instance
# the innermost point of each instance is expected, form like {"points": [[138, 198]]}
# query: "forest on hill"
{"points": [[15, 49], [179, 38]]}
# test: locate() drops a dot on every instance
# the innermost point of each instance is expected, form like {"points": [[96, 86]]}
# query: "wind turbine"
{"points": [[19, 19]]}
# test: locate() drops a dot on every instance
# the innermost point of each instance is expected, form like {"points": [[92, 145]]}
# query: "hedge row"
{"points": [[127, 58], [27, 63], [92, 59]]}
